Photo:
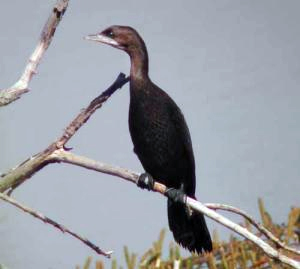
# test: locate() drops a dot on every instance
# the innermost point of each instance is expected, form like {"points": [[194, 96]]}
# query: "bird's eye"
{"points": [[110, 34]]}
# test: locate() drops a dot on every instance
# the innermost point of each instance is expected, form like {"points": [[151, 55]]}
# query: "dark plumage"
{"points": [[161, 138]]}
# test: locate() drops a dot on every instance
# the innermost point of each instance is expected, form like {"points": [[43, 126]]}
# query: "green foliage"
{"points": [[234, 254]]}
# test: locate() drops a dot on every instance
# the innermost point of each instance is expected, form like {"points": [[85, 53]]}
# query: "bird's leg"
{"points": [[176, 195], [146, 181], [189, 211]]}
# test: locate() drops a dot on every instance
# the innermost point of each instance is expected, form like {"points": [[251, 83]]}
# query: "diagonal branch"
{"points": [[265, 247], [257, 225], [28, 168], [64, 156], [56, 152], [21, 86], [13, 178], [68, 157], [84, 116], [62, 228]]}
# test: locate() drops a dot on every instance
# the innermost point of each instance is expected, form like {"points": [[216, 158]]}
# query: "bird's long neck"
{"points": [[139, 62]]}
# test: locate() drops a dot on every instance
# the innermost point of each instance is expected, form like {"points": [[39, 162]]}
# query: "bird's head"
{"points": [[121, 37]]}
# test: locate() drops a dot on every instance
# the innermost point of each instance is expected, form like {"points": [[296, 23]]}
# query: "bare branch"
{"points": [[270, 251], [257, 225], [62, 228], [25, 170], [21, 86], [83, 117], [56, 152], [64, 156], [68, 157], [13, 178]]}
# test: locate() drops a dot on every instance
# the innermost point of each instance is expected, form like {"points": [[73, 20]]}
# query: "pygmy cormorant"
{"points": [[160, 137]]}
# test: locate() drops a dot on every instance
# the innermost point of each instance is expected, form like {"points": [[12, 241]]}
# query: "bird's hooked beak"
{"points": [[103, 39]]}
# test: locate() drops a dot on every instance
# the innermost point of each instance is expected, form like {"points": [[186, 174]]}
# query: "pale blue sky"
{"points": [[233, 68]]}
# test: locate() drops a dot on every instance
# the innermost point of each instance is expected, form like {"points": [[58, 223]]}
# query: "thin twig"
{"points": [[62, 228], [21, 86], [257, 225]]}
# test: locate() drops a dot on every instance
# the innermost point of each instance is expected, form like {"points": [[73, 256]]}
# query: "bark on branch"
{"points": [[257, 225], [21, 86], [12, 179], [57, 152], [62, 228], [68, 157]]}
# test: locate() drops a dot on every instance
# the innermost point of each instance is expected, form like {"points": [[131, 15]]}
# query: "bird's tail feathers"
{"points": [[189, 228]]}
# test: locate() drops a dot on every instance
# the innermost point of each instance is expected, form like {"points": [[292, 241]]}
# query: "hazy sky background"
{"points": [[233, 68]]}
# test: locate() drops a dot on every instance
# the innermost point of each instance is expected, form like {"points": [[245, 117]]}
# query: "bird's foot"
{"points": [[146, 181], [178, 196]]}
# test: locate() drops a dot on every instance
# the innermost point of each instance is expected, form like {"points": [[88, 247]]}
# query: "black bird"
{"points": [[160, 137]]}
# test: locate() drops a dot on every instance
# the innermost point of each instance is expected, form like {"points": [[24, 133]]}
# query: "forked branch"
{"points": [[257, 225], [13, 178]]}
